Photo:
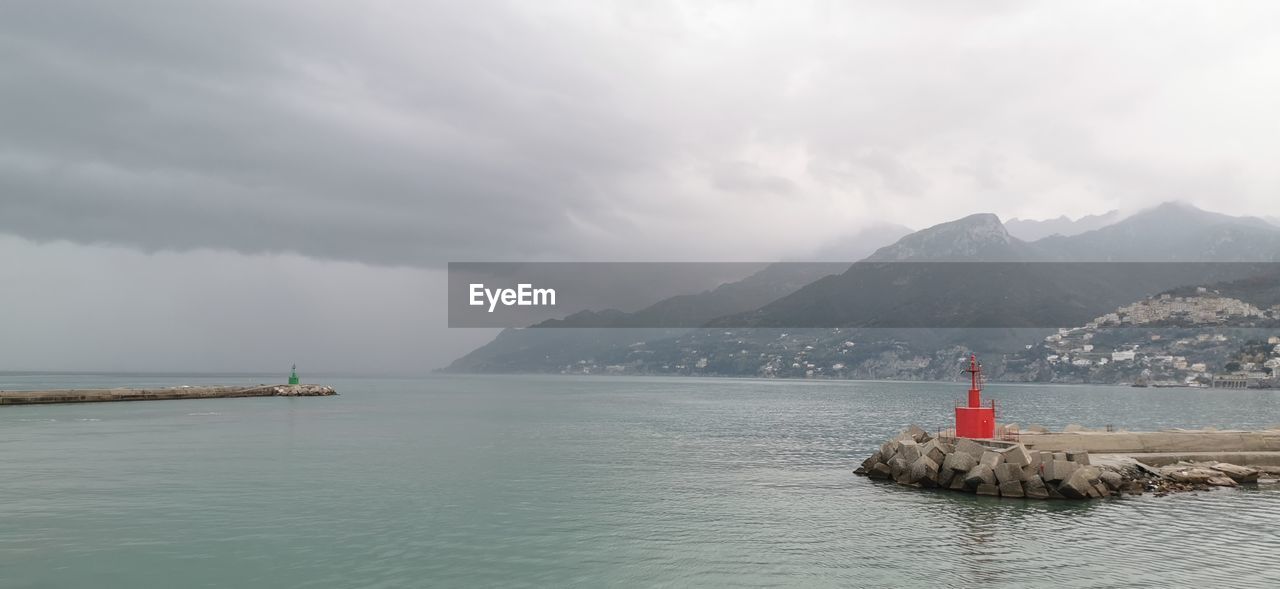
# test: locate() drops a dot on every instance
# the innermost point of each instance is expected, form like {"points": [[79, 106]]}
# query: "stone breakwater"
{"points": [[157, 394], [1008, 469]]}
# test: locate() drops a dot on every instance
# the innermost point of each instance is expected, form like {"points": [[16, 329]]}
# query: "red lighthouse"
{"points": [[974, 420]]}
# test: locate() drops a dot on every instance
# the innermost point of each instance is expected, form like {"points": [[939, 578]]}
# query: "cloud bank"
{"points": [[413, 133]]}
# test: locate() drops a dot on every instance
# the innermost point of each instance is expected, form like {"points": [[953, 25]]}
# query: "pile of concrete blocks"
{"points": [[999, 470], [303, 390]]}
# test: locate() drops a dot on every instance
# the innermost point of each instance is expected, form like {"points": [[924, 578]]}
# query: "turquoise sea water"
{"points": [[586, 482]]}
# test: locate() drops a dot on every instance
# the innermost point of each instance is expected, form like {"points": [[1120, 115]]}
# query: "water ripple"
{"points": [[584, 482]]}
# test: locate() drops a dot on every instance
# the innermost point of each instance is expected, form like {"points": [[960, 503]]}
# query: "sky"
{"points": [[277, 182]]}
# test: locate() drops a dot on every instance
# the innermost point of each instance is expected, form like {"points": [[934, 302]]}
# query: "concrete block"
{"points": [[1036, 461], [1059, 455], [1239, 474], [924, 472], [1011, 489], [1093, 473], [957, 483], [986, 489], [991, 459], [908, 451], [1076, 485], [933, 449], [959, 461], [944, 477], [1058, 470], [916, 432], [1112, 480], [1190, 475], [970, 447], [1008, 472], [980, 475], [872, 460], [898, 468], [888, 449], [1221, 481], [1034, 488], [880, 471], [1078, 456], [1053, 491], [1016, 454]]}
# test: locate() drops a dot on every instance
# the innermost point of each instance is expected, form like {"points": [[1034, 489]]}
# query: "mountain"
{"points": [[607, 334], [1032, 230], [693, 310], [1173, 231], [978, 237], [908, 310], [1004, 282], [604, 337]]}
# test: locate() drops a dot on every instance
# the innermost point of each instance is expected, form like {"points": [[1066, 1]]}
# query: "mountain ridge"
{"points": [[866, 291]]}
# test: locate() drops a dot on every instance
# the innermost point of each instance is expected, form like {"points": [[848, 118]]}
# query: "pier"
{"points": [[1076, 463], [160, 394], [1161, 448]]}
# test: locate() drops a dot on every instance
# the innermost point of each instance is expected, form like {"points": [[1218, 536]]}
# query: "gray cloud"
{"points": [[411, 133], [353, 148]]}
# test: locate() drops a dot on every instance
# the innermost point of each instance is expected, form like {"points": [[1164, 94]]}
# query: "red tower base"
{"points": [[975, 422]]}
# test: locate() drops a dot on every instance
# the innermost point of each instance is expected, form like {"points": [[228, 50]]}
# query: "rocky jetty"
{"points": [[1008, 469], [158, 394]]}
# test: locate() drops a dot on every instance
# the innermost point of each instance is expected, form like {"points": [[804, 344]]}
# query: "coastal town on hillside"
{"points": [[1201, 339], [1171, 340]]}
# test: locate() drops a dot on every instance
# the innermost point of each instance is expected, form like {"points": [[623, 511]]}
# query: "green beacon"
{"points": [[293, 376]]}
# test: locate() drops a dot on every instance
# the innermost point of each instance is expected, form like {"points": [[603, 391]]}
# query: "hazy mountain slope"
{"points": [[857, 246], [1172, 232], [533, 350], [1032, 230], [549, 347]]}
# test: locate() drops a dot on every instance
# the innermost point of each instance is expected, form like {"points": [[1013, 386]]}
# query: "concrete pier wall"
{"points": [[158, 394], [1168, 441]]}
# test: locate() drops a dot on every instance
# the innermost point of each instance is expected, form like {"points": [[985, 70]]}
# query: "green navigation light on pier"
{"points": [[293, 376]]}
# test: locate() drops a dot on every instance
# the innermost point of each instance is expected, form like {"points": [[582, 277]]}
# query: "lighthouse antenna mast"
{"points": [[975, 381]]}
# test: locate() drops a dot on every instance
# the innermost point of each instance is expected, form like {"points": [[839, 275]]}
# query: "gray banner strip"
{"points": [[863, 294]]}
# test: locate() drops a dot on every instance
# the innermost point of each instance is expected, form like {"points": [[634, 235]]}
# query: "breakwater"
{"points": [[1007, 468], [158, 394]]}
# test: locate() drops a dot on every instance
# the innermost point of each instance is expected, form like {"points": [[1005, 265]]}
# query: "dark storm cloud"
{"points": [[411, 133], [262, 128]]}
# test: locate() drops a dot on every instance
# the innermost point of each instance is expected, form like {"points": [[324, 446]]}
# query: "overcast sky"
{"points": [[303, 170]]}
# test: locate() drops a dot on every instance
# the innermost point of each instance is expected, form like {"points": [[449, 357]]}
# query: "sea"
{"points": [[549, 481]]}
